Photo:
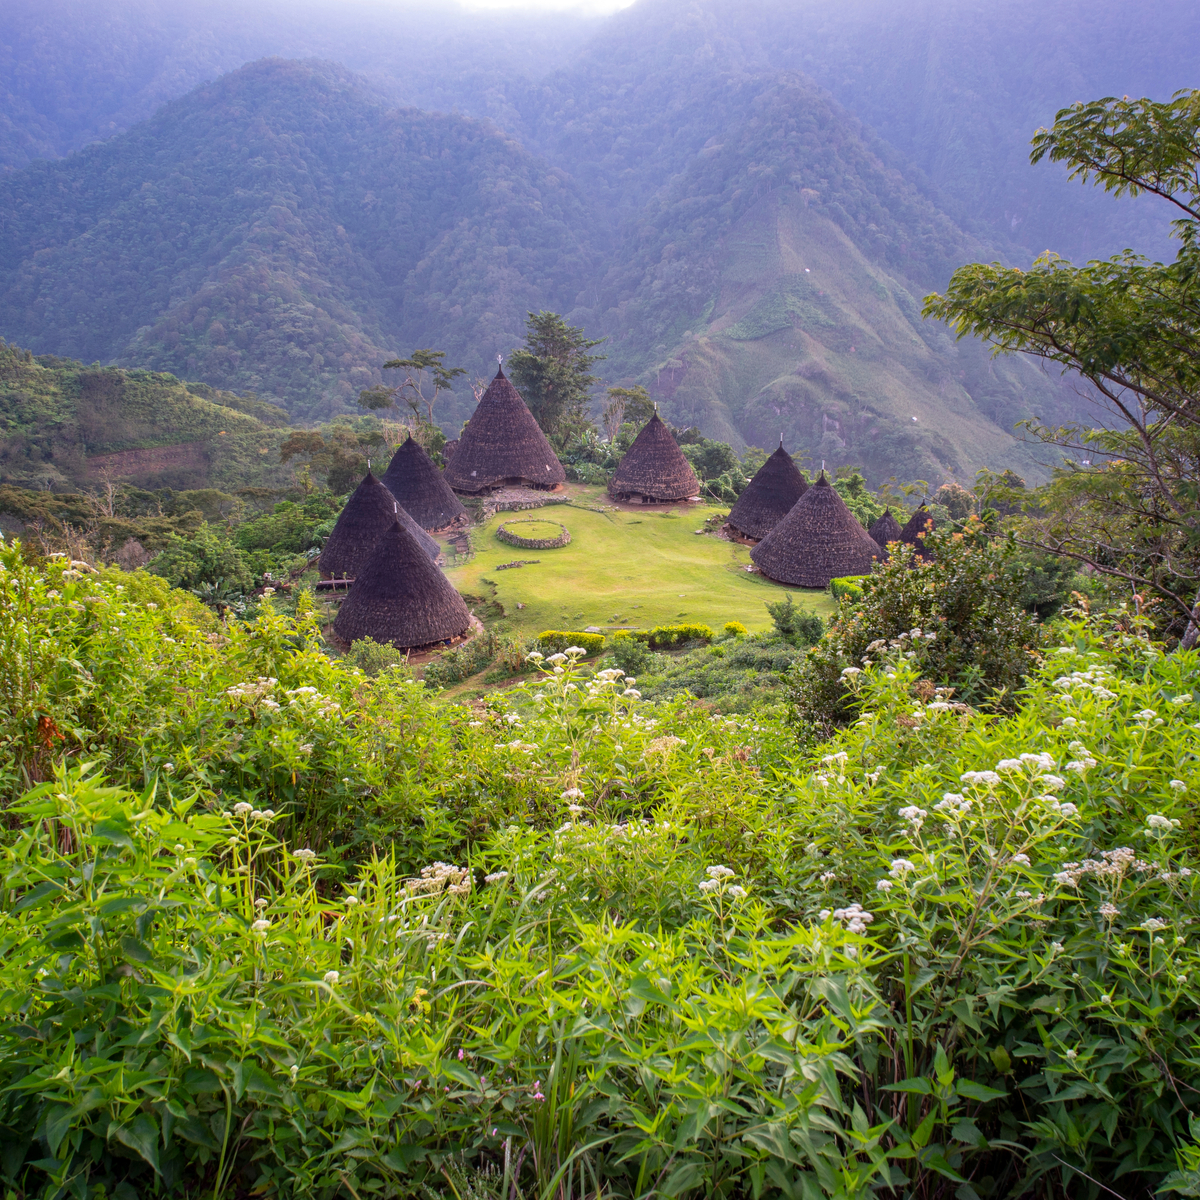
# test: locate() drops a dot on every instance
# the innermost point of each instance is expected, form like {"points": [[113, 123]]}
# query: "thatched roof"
{"points": [[654, 467], [502, 444], [914, 532], [368, 515], [885, 529], [419, 487], [400, 597], [817, 541], [769, 496]]}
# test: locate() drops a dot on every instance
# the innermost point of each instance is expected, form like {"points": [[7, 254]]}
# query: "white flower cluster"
{"points": [[662, 747], [855, 917], [242, 809], [901, 867], [953, 805], [258, 692], [304, 697], [716, 882], [1092, 680], [984, 779], [441, 877], [1112, 864], [1160, 826]]}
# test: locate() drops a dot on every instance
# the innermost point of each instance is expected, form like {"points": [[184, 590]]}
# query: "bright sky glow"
{"points": [[585, 8]]}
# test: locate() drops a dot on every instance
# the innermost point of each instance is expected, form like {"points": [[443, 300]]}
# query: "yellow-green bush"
{"points": [[847, 587], [666, 637], [735, 629], [554, 641]]}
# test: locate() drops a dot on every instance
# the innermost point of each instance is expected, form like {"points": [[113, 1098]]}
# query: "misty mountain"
{"points": [[282, 231]]}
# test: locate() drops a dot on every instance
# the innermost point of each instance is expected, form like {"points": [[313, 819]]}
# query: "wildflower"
{"points": [[575, 809], [331, 977], [261, 925], [828, 877], [256, 815], [849, 673], [190, 864], [719, 872], [1181, 979], [633, 693], [1069, 722], [169, 767], [855, 916], [294, 1073], [913, 814], [901, 867], [495, 877], [1009, 764], [980, 778], [351, 901], [884, 885], [1052, 783], [1153, 924], [306, 747], [267, 814], [1106, 999], [1068, 810], [1109, 912], [1071, 1055], [1080, 765], [709, 885], [556, 660], [1158, 821], [241, 809], [1043, 762], [1147, 714], [572, 794], [1056, 947], [813, 850], [1021, 859], [1177, 785], [737, 891], [305, 856], [260, 904]]}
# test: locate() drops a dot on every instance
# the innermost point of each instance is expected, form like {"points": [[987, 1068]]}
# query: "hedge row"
{"points": [[554, 641], [847, 587]]}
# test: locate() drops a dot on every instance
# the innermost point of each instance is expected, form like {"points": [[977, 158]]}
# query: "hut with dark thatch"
{"points": [[420, 488], [920, 523], [885, 529], [369, 514], [819, 540], [502, 445], [654, 468], [400, 597], [768, 497]]}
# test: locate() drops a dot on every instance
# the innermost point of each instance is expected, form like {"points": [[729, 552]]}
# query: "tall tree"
{"points": [[553, 372], [1126, 500]]}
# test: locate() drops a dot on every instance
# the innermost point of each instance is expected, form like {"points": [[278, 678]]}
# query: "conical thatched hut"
{"points": [[400, 597], [769, 496], [914, 532], [502, 444], [654, 468], [885, 529], [817, 541], [419, 487], [369, 514]]}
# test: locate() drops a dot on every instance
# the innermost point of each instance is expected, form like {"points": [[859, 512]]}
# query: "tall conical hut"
{"points": [[369, 514], [919, 524], [400, 597], [502, 444], [654, 468], [768, 497], [418, 485], [819, 540], [885, 529]]}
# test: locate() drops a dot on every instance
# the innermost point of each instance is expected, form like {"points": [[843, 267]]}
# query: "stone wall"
{"points": [[514, 539]]}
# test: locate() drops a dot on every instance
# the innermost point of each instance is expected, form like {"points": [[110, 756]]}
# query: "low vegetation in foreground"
{"points": [[275, 926]]}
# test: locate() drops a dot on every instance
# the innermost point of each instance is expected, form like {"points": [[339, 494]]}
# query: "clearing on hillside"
{"points": [[626, 570]]}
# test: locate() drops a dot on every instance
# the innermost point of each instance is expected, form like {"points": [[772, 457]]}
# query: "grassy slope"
{"points": [[852, 366], [645, 568], [58, 416]]}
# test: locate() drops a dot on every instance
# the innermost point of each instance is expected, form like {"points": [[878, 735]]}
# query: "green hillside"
{"points": [[66, 425]]}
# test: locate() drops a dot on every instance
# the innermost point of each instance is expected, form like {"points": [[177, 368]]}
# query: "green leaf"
{"points": [[140, 1135], [119, 833], [136, 951], [924, 1131], [968, 1089], [39, 893]]}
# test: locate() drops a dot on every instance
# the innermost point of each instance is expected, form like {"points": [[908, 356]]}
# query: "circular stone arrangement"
{"points": [[506, 535]]}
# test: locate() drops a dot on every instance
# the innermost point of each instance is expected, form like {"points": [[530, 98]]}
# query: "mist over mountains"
{"points": [[747, 200]]}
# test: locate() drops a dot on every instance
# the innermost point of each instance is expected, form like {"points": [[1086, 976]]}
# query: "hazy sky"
{"points": [[591, 8]]}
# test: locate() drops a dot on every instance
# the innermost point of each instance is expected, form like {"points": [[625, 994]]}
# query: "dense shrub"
{"points": [[372, 657], [207, 557], [608, 945], [800, 627], [732, 676], [461, 662], [847, 587], [554, 641], [628, 652], [667, 637], [959, 616], [734, 629]]}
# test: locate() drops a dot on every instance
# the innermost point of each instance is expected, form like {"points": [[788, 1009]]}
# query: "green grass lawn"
{"points": [[625, 568]]}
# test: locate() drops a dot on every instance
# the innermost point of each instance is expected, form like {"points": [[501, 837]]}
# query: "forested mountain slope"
{"points": [[67, 425], [282, 231]]}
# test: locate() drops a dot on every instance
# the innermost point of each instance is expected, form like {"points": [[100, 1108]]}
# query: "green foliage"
{"points": [[959, 617], [291, 527], [667, 637], [794, 624], [461, 662], [956, 500], [946, 946], [554, 641], [847, 587], [553, 373], [734, 629], [61, 423], [1123, 503], [629, 652], [372, 657], [852, 488], [207, 557]]}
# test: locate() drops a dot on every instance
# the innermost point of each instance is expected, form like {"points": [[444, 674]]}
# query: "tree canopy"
{"points": [[1125, 499]]}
